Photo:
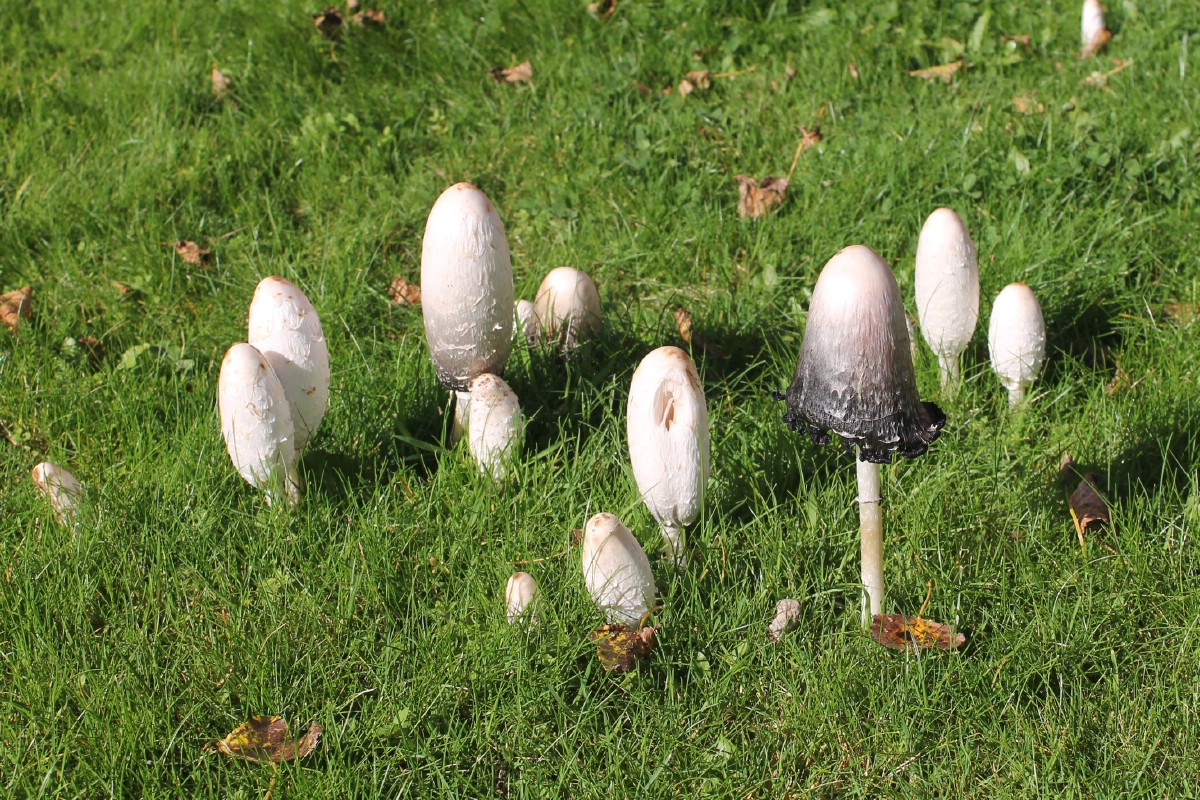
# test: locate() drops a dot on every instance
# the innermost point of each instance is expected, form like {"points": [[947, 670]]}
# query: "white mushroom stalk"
{"points": [[667, 429], [61, 488], [284, 327], [616, 571], [947, 290], [855, 379], [520, 595], [567, 307], [466, 290], [1092, 32], [496, 427], [256, 422], [1017, 339]]}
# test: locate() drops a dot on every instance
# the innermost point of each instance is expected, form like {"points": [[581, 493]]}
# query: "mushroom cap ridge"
{"points": [[855, 375]]}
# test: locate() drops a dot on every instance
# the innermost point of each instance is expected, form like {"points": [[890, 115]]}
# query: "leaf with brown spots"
{"points": [[521, 73], [16, 306], [265, 739], [942, 72], [759, 197], [620, 647], [1088, 508], [404, 293], [329, 23], [898, 632], [192, 253]]}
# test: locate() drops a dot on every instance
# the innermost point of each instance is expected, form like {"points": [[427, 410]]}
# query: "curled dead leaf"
{"points": [[620, 647], [265, 739], [1088, 507], [898, 632], [404, 293], [192, 253], [759, 197], [942, 72], [329, 23], [787, 619], [16, 306], [683, 324], [521, 73]]}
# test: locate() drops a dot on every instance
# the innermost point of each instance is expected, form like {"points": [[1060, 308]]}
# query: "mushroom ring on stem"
{"points": [[855, 379]]}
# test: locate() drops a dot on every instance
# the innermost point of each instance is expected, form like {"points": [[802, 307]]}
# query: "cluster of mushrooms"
{"points": [[854, 379]]}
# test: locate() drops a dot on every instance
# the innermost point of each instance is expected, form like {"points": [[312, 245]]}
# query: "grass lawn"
{"points": [[180, 605]]}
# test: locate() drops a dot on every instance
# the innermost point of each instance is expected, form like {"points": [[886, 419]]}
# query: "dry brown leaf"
{"points": [[576, 536], [759, 197], [93, 348], [1088, 508], [898, 632], [602, 9], [352, 7], [1027, 103], [192, 253], [404, 293], [1096, 45], [942, 72], [521, 73], [329, 23], [620, 647], [809, 138], [685, 88], [853, 71], [1183, 313], [265, 739], [220, 83], [683, 324], [787, 619], [700, 78], [372, 16], [16, 306]]}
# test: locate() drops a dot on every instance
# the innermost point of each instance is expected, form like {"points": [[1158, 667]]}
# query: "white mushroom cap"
{"points": [[667, 429], [60, 487], [855, 374], [495, 426], [1017, 339], [1091, 25], [567, 306], [284, 327], [616, 570], [466, 287], [947, 288], [257, 423], [527, 322], [519, 595]]}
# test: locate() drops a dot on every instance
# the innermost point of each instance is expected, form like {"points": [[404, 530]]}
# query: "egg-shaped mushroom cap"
{"points": [[855, 374], [466, 287]]}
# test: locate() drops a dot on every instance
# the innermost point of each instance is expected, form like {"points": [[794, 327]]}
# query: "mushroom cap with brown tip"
{"points": [[855, 374]]}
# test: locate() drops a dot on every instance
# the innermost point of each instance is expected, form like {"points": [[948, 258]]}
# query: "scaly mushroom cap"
{"points": [[567, 306], [855, 374], [1017, 336], [466, 287], [519, 594], [284, 327], [60, 487], [616, 570], [495, 426], [947, 284], [257, 423], [667, 428]]}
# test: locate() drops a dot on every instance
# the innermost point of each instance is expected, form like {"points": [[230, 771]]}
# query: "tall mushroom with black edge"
{"points": [[947, 289], [855, 379], [466, 292], [667, 428]]}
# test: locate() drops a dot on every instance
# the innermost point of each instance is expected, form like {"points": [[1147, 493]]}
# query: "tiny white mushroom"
{"points": [[1017, 339], [520, 593], [616, 570], [496, 427], [667, 429], [947, 289], [256, 422], [567, 306], [61, 488], [466, 290], [284, 327], [1093, 35], [787, 619]]}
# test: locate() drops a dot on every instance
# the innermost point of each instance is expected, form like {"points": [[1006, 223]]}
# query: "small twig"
{"points": [[928, 596]]}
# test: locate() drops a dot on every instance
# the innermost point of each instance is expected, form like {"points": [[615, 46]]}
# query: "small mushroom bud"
{"points": [[466, 291], [567, 306], [520, 593], [616, 571], [284, 327], [947, 289], [60, 487], [667, 428], [1092, 32], [1017, 339], [527, 322], [256, 422], [495, 428]]}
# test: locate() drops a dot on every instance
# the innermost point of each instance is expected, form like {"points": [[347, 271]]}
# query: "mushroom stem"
{"points": [[870, 518], [673, 539], [948, 367], [462, 410], [1015, 395]]}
